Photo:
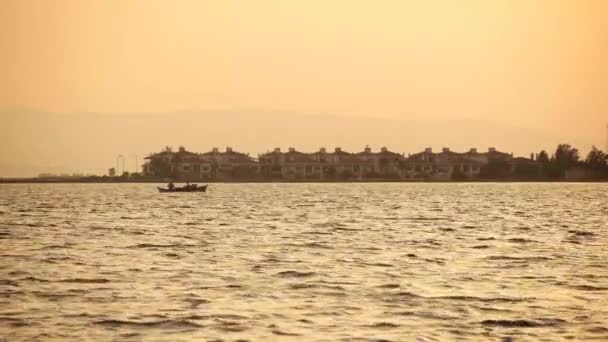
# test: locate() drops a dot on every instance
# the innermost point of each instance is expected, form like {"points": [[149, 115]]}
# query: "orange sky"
{"points": [[536, 64]]}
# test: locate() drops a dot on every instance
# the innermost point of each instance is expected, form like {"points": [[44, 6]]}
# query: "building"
{"points": [[184, 165], [384, 164], [230, 165], [294, 165], [445, 165], [324, 165], [449, 165]]}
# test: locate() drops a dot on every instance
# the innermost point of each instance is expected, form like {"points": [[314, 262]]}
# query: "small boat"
{"points": [[184, 189]]}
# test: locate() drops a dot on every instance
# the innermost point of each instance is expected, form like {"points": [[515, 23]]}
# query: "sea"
{"points": [[304, 262]]}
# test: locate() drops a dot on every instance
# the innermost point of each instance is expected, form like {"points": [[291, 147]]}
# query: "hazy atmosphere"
{"points": [[303, 170], [84, 81]]}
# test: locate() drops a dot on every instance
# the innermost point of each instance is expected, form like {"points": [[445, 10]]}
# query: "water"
{"points": [[304, 262]]}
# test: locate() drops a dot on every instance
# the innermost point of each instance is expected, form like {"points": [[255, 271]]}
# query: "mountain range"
{"points": [[36, 142]]}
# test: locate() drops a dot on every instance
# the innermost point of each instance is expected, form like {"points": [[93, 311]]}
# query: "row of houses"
{"points": [[295, 165]]}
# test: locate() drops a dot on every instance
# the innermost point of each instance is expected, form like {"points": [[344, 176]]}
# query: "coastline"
{"points": [[160, 181]]}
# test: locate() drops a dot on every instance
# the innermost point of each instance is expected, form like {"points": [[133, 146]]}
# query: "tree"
{"points": [[543, 157], [526, 171], [495, 169], [566, 156], [596, 159]]}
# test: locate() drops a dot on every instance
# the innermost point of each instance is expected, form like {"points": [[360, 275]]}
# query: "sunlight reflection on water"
{"points": [[304, 261]]}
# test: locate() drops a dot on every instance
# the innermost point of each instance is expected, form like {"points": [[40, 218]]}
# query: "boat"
{"points": [[184, 189]]}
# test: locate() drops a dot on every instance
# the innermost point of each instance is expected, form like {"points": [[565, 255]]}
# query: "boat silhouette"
{"points": [[185, 189]]}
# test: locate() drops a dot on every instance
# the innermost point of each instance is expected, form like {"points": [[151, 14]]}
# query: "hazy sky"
{"points": [[537, 64]]}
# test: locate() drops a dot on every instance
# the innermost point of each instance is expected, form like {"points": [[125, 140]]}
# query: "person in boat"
{"points": [[171, 186]]}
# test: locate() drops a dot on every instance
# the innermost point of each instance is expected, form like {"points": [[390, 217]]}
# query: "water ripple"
{"points": [[305, 262]]}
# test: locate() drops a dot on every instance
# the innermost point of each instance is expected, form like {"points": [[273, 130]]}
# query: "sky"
{"points": [[538, 65]]}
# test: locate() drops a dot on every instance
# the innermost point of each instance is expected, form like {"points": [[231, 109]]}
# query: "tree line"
{"points": [[554, 166], [567, 157]]}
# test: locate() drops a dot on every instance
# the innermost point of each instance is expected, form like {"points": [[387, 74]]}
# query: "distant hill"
{"points": [[34, 142]]}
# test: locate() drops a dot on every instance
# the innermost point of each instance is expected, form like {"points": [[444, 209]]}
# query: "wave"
{"points": [[406, 294], [421, 218], [295, 274], [345, 229], [284, 333], [230, 326], [523, 323], [84, 281], [71, 280], [66, 245], [484, 299], [152, 245], [481, 247], [52, 297], [383, 325], [162, 324], [315, 232], [15, 322], [8, 282], [310, 245], [589, 288], [427, 315], [377, 264], [301, 286], [34, 279], [521, 240], [598, 330], [581, 233], [196, 302], [510, 258]]}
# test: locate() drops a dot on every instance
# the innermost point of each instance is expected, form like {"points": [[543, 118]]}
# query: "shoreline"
{"points": [[156, 181]]}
